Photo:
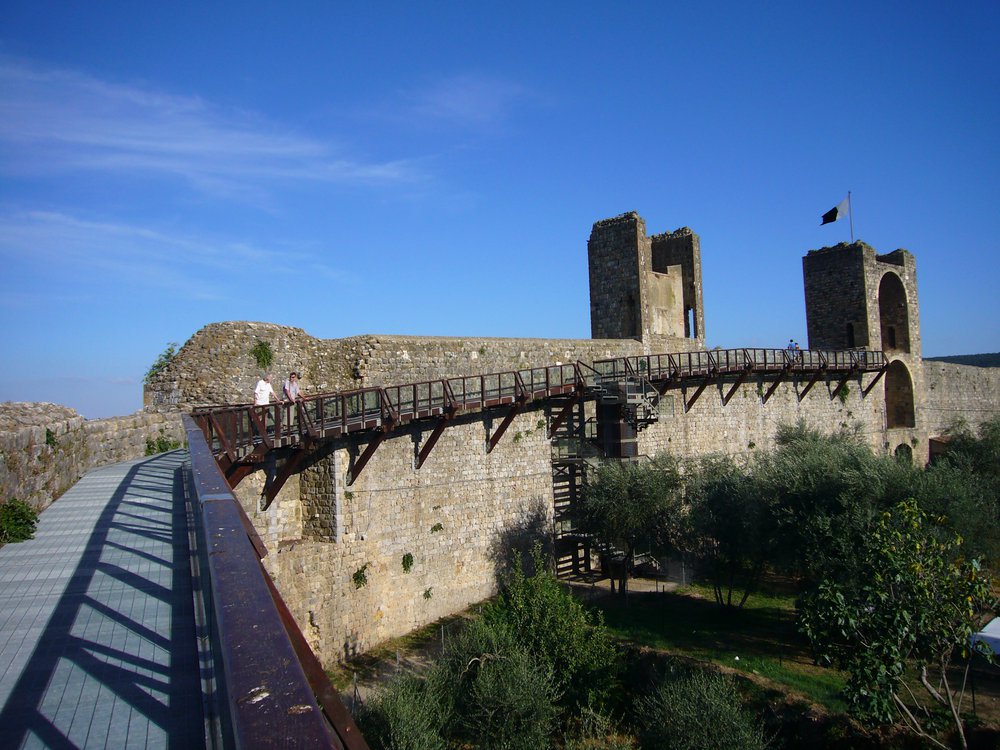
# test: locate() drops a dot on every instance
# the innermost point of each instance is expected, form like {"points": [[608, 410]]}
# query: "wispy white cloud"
{"points": [[60, 120], [195, 267], [467, 99]]}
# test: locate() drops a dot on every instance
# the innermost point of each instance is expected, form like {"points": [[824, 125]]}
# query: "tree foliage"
{"points": [[558, 632], [915, 603], [632, 506], [404, 714], [732, 527], [964, 485], [495, 694]]}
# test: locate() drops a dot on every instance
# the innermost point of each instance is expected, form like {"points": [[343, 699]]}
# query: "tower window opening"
{"points": [[690, 328]]}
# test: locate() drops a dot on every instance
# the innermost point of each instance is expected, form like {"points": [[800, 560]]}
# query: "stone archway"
{"points": [[899, 411], [904, 453], [893, 312]]}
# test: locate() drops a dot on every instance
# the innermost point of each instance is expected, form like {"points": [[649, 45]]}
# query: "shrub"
{"points": [[592, 730], [17, 521], [161, 363], [497, 695], [406, 714], [360, 576], [557, 631], [701, 710], [262, 354], [161, 444]]}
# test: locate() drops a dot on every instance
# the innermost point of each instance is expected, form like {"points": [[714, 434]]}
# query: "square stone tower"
{"points": [[646, 288], [857, 298]]}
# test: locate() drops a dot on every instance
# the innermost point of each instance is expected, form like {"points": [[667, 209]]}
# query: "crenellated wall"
{"points": [[401, 546], [337, 550]]}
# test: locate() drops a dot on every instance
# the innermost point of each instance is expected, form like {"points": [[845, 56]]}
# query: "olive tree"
{"points": [[631, 505], [733, 532]]}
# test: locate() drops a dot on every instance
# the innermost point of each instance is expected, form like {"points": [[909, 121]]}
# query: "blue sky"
{"points": [[435, 168]]}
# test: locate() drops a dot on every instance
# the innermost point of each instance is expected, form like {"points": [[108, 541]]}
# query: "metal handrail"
{"points": [[271, 689]]}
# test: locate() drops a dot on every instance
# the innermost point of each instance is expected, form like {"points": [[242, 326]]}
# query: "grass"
{"points": [[368, 666], [761, 639]]}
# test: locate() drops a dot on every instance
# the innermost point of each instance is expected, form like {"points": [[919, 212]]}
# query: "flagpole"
{"points": [[850, 214]]}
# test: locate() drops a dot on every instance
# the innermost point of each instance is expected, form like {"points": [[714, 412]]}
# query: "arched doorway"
{"points": [[893, 314], [898, 397], [904, 453]]}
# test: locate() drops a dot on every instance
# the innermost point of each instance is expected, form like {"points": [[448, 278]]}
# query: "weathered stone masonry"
{"points": [[45, 448], [337, 551]]}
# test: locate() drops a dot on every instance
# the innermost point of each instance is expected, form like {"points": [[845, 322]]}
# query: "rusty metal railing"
{"points": [[271, 691], [235, 431]]}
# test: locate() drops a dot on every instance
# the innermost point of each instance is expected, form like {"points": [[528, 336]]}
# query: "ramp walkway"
{"points": [[98, 644]]}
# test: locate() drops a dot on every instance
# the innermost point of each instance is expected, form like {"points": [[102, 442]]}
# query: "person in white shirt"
{"points": [[263, 393]]}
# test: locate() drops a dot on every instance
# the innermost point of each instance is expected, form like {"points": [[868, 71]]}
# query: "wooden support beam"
{"points": [[875, 380], [238, 470], [358, 466], [227, 448], [739, 381], [704, 384], [815, 378], [304, 421], [432, 440], [290, 466], [495, 438], [841, 384], [566, 410], [775, 384]]}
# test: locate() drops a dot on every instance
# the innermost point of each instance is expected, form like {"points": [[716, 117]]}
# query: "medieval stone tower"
{"points": [[645, 288], [857, 298]]}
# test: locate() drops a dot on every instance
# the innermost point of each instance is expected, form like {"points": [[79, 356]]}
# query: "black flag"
{"points": [[837, 212]]}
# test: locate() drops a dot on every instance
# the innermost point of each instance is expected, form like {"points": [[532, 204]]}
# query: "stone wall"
{"points": [[960, 393], [747, 424], [321, 531], [45, 448], [454, 518], [215, 365]]}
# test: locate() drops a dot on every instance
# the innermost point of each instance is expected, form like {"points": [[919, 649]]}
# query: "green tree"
{"points": [[915, 606], [825, 490], [632, 506], [404, 714], [964, 484], [733, 532]]}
